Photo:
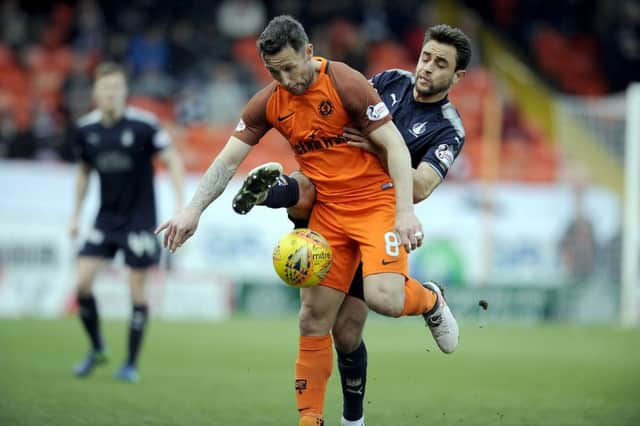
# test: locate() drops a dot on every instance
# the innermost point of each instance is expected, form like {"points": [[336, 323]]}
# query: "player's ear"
{"points": [[458, 75], [308, 51]]}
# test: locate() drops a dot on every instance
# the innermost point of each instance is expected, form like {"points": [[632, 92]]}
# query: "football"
{"points": [[302, 258]]}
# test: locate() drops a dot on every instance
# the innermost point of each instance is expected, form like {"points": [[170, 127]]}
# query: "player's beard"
{"points": [[434, 89], [299, 88]]}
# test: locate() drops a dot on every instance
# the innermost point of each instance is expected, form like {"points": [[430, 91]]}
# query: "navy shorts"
{"points": [[141, 248]]}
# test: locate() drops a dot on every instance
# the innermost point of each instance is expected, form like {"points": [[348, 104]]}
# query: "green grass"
{"points": [[240, 372]]}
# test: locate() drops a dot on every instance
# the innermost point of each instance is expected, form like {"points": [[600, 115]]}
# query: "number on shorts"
{"points": [[392, 245]]}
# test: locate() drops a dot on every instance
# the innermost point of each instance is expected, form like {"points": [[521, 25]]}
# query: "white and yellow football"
{"points": [[302, 258]]}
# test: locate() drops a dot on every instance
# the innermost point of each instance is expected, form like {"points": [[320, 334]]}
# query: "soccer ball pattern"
{"points": [[302, 258]]}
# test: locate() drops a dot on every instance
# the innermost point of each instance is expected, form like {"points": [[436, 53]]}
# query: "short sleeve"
{"points": [[359, 98], [78, 144], [379, 80], [445, 148], [253, 122]]}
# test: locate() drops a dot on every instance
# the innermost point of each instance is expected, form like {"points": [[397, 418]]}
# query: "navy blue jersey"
{"points": [[122, 155], [433, 132]]}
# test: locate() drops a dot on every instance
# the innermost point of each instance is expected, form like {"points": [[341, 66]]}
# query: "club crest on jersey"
{"points": [[445, 155], [325, 108], [241, 126], [418, 128], [377, 112], [127, 138]]}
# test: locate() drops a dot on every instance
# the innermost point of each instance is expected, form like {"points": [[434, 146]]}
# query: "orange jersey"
{"points": [[313, 124]]}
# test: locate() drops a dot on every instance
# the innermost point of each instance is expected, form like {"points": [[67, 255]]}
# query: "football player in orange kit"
{"points": [[365, 212]]}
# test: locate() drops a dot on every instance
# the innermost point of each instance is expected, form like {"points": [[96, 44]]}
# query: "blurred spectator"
{"points": [[76, 89], [47, 130], [89, 31], [185, 51], [153, 83], [241, 18], [13, 24], [375, 22], [225, 95], [191, 107], [347, 44], [148, 50], [577, 246]]}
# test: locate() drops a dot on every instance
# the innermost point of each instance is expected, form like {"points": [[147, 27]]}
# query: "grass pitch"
{"points": [[240, 372]]}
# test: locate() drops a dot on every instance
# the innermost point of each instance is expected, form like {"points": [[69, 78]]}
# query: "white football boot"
{"points": [[441, 322]]}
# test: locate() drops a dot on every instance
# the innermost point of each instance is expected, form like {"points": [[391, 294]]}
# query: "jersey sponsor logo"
{"points": [[127, 138], [315, 143], [386, 262], [325, 108], [114, 162], [284, 117], [445, 156], [418, 128], [377, 112], [240, 126], [394, 100]]}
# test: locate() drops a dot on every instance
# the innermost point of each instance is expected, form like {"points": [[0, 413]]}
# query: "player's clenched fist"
{"points": [[179, 229]]}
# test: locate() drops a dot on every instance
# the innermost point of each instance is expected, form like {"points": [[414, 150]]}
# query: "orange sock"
{"points": [[417, 299], [313, 369]]}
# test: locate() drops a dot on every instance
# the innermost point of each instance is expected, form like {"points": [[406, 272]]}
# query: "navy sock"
{"points": [[284, 193], [137, 326], [88, 313], [299, 223], [353, 376]]}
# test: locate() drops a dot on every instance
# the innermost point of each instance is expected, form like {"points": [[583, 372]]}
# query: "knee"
{"points": [[138, 294], [346, 337], [312, 323], [84, 287]]}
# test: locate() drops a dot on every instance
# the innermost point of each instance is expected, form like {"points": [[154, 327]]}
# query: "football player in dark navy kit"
{"points": [[433, 131], [119, 142]]}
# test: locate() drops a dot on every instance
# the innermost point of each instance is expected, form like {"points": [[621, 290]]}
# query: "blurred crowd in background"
{"points": [[194, 62]]}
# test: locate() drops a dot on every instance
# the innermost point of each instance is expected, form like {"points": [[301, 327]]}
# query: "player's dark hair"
{"points": [[445, 34], [108, 68], [282, 31]]}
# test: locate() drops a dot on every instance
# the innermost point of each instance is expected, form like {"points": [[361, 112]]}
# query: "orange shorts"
{"points": [[360, 230]]}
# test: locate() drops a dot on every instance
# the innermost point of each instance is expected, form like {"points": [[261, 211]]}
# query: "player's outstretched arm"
{"points": [[212, 184]]}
